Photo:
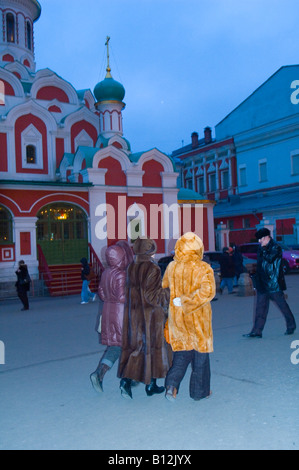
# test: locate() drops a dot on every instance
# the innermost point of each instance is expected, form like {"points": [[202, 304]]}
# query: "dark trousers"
{"points": [[200, 375], [262, 309], [110, 356], [22, 294]]}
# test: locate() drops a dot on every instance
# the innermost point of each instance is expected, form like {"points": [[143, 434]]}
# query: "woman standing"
{"points": [[112, 292], [189, 329], [145, 354], [23, 284]]}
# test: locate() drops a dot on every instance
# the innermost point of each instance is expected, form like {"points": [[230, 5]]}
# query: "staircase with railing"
{"points": [[63, 280]]}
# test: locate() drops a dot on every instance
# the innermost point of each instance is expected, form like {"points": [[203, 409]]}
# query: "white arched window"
{"points": [[10, 28], [29, 35], [32, 148]]}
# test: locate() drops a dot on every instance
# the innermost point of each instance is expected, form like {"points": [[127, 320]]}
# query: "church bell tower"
{"points": [[17, 38]]}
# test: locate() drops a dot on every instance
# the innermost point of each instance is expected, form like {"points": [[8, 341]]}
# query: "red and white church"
{"points": [[69, 181]]}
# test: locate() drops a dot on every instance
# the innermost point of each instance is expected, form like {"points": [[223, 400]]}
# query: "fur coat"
{"points": [[189, 326], [112, 292], [145, 354]]}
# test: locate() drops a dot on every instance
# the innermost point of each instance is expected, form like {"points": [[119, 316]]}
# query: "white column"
{"points": [[26, 224]]}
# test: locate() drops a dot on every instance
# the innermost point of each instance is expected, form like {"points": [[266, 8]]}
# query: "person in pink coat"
{"points": [[112, 292]]}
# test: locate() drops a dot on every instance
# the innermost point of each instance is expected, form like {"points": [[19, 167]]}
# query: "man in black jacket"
{"points": [[269, 283]]}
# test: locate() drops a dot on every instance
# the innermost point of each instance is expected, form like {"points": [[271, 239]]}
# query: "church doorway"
{"points": [[62, 233]]}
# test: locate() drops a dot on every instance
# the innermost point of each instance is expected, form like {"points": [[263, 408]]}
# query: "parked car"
{"points": [[290, 258], [213, 258]]}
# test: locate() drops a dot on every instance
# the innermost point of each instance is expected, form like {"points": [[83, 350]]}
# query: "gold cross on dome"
{"points": [[108, 69]]}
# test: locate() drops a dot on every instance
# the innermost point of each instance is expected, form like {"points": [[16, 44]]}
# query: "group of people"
{"points": [[155, 327]]}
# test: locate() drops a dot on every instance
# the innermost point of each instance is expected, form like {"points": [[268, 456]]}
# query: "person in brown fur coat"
{"points": [[189, 326], [145, 353]]}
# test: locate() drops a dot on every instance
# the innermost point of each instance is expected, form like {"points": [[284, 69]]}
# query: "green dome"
{"points": [[109, 90]]}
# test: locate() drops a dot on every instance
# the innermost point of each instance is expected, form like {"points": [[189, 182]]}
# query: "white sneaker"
{"points": [[94, 297], [83, 303]]}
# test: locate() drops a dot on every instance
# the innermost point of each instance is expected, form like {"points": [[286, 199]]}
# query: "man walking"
{"points": [[269, 283]]}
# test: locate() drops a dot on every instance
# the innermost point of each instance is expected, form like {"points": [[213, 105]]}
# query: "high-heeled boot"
{"points": [[153, 388], [97, 377], [125, 388]]}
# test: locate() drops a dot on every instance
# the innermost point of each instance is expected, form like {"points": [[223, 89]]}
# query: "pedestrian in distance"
{"points": [[145, 355], [112, 292], [86, 276], [227, 270], [238, 263], [189, 327], [23, 284], [269, 282]]}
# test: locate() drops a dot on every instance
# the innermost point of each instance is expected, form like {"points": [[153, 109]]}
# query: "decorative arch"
{"points": [[119, 142], [62, 197], [50, 93], [62, 232], [13, 82], [37, 130], [114, 153], [21, 117], [159, 157], [82, 127], [31, 107], [50, 82], [8, 58]]}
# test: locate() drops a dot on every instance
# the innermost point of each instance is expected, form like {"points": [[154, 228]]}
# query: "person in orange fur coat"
{"points": [[189, 327]]}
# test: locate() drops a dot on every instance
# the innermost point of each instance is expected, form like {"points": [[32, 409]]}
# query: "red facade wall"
{"points": [[50, 93], [152, 175], [120, 220], [25, 243], [59, 151], [24, 203], [115, 176]]}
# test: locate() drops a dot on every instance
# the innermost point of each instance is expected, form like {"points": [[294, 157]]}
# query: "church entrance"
{"points": [[62, 233]]}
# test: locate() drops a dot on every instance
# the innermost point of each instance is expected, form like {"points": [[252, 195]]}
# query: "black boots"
{"points": [[98, 376], [125, 388], [153, 388]]}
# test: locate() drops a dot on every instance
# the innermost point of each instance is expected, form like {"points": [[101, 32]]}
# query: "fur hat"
{"points": [[263, 232], [144, 246]]}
